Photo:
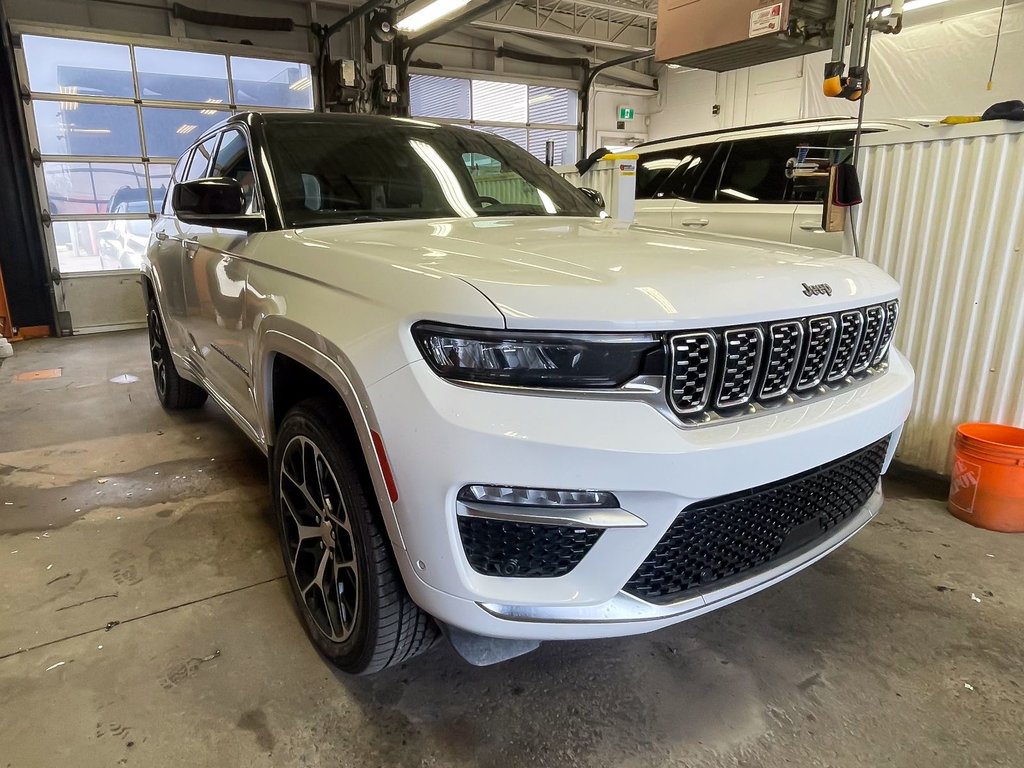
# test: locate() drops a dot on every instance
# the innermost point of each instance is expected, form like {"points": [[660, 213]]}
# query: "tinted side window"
{"points": [[756, 170], [652, 170], [233, 162], [834, 146], [694, 164], [176, 176], [201, 159]]}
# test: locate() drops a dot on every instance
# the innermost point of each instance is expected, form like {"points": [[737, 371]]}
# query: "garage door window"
{"points": [[528, 115], [109, 120]]}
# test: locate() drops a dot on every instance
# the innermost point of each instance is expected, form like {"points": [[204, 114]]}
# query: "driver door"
{"points": [[217, 289]]}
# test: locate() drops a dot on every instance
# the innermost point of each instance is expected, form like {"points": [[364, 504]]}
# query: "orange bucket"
{"points": [[987, 484]]}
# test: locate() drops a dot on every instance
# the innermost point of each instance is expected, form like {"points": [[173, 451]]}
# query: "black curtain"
{"points": [[22, 255]]}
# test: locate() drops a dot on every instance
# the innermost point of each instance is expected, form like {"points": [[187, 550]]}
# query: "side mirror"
{"points": [[595, 197], [213, 203]]}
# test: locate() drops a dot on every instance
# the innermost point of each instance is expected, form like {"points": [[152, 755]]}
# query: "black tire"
{"points": [[174, 392], [336, 552]]}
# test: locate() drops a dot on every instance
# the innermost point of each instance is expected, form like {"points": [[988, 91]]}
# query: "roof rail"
{"points": [[737, 129]]}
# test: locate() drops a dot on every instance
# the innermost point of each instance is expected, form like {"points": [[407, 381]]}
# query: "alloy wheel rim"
{"points": [[318, 536], [156, 353]]}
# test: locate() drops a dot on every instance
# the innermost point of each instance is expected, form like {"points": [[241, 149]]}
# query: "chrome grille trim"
{"points": [[691, 390], [874, 319], [820, 341], [851, 327], [734, 372], [785, 341], [741, 363], [892, 315]]}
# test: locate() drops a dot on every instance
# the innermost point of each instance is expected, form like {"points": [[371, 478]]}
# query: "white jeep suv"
{"points": [[490, 411], [734, 182]]}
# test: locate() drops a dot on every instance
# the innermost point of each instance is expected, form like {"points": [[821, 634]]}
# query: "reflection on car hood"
{"points": [[579, 273]]}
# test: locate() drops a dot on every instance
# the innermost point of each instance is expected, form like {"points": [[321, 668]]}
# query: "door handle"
{"points": [[811, 226], [161, 236], [191, 246], [695, 222]]}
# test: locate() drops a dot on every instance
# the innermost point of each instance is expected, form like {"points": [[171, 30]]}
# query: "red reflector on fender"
{"points": [[385, 466]]}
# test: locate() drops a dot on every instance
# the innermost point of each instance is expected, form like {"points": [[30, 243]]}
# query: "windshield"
{"points": [[330, 172]]}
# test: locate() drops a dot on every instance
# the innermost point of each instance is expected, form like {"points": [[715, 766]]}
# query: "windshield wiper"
{"points": [[520, 212]]}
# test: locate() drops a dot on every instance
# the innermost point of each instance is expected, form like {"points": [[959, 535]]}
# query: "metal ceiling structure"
{"points": [[610, 25]]}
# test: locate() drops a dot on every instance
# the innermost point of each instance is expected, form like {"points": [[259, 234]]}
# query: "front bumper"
{"points": [[439, 437]]}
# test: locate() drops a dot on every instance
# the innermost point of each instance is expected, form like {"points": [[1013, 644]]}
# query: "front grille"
{"points": [[693, 360], [874, 320], [742, 352], [524, 550], [732, 535], [723, 372], [851, 327], [821, 339], [785, 340]]}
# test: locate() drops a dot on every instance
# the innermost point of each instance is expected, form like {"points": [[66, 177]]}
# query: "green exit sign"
{"points": [[626, 113]]}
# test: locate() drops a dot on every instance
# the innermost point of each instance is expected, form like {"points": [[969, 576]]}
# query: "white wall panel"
{"points": [[939, 65], [685, 103], [944, 216]]}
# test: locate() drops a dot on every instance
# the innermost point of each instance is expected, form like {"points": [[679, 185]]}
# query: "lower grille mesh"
{"points": [[727, 536], [502, 548]]}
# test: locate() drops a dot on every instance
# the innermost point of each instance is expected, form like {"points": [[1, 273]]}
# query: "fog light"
{"points": [[537, 497]]}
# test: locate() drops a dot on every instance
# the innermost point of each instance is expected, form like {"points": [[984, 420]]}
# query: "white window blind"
{"points": [[528, 115]]}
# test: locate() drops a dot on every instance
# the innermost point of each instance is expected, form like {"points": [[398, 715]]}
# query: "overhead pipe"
{"points": [[590, 75], [503, 51]]}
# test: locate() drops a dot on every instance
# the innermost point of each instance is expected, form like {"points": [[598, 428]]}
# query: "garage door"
{"points": [[538, 118], [106, 122]]}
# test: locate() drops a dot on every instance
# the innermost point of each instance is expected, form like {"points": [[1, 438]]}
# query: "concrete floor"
{"points": [[144, 621]]}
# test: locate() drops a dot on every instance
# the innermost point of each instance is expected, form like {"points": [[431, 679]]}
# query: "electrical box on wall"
{"points": [[341, 85], [723, 35]]}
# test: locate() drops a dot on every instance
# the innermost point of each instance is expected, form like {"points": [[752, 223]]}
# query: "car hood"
{"points": [[561, 273]]}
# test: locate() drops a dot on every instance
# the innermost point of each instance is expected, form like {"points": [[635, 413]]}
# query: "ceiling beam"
{"points": [[553, 35], [632, 11]]}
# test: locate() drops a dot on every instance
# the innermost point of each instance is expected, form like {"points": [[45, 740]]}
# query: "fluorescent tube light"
{"points": [[428, 14]]}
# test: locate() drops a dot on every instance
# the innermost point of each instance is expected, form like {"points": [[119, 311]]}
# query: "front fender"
{"points": [[278, 335]]}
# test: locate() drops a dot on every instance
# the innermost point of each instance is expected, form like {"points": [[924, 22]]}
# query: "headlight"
{"points": [[525, 359]]}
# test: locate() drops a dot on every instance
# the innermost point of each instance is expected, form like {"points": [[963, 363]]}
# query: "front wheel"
{"points": [[347, 588], [175, 393]]}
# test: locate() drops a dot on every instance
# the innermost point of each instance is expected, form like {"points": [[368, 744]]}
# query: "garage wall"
{"points": [[933, 68], [604, 112], [963, 319]]}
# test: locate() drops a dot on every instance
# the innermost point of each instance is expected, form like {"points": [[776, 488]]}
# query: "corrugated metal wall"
{"points": [[944, 217]]}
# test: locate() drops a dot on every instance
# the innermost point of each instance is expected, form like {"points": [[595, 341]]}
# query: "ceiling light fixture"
{"points": [[186, 128], [428, 14], [910, 5], [300, 85]]}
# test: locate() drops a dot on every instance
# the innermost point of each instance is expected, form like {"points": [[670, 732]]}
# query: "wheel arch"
{"points": [[317, 367]]}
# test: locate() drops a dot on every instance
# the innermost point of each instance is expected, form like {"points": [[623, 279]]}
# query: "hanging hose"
{"points": [[995, 53]]}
